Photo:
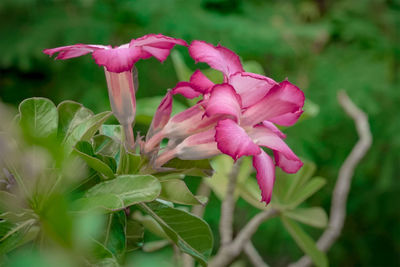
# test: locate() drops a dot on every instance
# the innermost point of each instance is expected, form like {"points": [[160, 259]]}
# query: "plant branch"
{"points": [[228, 206], [343, 183], [253, 255], [228, 253]]}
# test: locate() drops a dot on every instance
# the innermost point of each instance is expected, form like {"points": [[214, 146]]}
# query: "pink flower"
{"points": [[241, 112], [118, 63]]}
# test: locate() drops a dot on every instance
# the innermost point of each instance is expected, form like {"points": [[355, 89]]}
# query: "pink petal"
{"points": [[265, 175], [274, 129], [71, 51], [202, 83], [156, 45], [251, 87], [117, 59], [290, 93], [162, 115], [198, 146], [233, 140], [273, 105], [186, 89], [224, 101], [121, 93], [264, 136], [288, 165], [218, 57]]}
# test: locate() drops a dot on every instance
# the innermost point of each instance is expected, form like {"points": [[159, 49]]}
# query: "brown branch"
{"points": [[253, 255], [342, 187], [228, 207], [229, 252]]}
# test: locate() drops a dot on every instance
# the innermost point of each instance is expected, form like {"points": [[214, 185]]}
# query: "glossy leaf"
{"points": [[84, 150], [315, 216], [39, 117], [131, 189], [176, 191], [305, 242], [85, 130], [190, 233], [70, 114]]}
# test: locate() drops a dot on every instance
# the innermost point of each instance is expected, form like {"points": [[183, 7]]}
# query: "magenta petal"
{"points": [[71, 51], [264, 136], [117, 59], [156, 45], [273, 105], [251, 87], [218, 57], [288, 165], [233, 140], [201, 82], [274, 129], [224, 101], [290, 93], [186, 89], [265, 175], [161, 116]]}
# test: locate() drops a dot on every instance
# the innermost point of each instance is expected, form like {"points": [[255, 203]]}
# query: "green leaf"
{"points": [[129, 163], [190, 167], [176, 191], [182, 70], [131, 189], [84, 150], [315, 216], [165, 177], [305, 242], [115, 239], [155, 245], [134, 235], [70, 115], [150, 224], [108, 202], [113, 131], [306, 191], [39, 117], [297, 180], [190, 233], [106, 146], [85, 130], [99, 252]]}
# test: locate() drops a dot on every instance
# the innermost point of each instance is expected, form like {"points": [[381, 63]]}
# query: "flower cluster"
{"points": [[236, 117]]}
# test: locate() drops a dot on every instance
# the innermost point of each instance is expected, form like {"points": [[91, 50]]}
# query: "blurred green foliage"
{"points": [[322, 46]]}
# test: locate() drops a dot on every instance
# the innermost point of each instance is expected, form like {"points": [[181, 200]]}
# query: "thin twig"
{"points": [[342, 187], [254, 257], [228, 253], [228, 207]]}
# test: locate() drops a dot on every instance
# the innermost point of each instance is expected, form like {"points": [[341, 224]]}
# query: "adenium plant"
{"points": [[237, 117]]}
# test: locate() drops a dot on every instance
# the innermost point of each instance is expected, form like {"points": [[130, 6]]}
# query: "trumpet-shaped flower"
{"points": [[240, 113], [118, 63]]}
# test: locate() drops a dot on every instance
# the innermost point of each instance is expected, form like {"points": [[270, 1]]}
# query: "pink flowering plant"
{"points": [[137, 184]]}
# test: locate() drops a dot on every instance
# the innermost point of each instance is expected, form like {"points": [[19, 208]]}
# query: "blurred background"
{"points": [[320, 45]]}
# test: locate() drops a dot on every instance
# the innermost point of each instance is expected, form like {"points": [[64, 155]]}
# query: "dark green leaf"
{"points": [[191, 167], [131, 189], [176, 191], [115, 236], [129, 163], [190, 233], [134, 235], [84, 150]]}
